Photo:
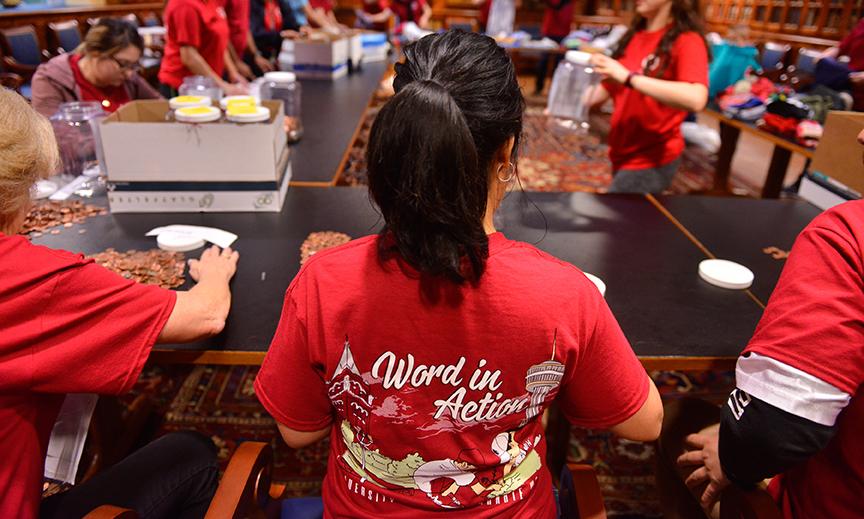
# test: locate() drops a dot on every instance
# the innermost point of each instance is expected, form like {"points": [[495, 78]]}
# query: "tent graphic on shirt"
{"points": [[503, 472]]}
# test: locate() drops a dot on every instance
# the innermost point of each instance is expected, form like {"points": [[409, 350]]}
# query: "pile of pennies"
{"points": [[151, 267], [54, 214], [318, 241]]}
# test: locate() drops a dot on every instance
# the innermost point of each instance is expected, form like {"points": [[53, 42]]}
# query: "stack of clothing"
{"points": [[790, 117], [747, 99]]}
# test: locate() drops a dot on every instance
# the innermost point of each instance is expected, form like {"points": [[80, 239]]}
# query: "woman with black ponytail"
{"points": [[429, 352], [656, 76]]}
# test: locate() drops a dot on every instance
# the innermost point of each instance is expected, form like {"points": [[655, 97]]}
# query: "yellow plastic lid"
{"points": [[197, 114], [187, 101], [248, 114], [225, 102]]}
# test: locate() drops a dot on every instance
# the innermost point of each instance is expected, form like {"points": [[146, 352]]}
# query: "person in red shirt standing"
{"points": [[655, 77], [103, 69], [197, 44], [71, 326], [374, 14], [556, 26], [430, 351], [411, 11]]}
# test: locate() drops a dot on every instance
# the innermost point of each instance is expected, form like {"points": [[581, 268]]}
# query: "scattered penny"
{"points": [[151, 267], [318, 241]]}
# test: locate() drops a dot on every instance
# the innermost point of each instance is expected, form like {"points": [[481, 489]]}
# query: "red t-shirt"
{"points": [[557, 21], [67, 326], [407, 11], [814, 323], [111, 97], [434, 392], [644, 132], [198, 24], [325, 5], [853, 46], [237, 15]]}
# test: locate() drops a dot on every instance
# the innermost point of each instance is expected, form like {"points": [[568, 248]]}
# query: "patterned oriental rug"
{"points": [[219, 401], [553, 158]]}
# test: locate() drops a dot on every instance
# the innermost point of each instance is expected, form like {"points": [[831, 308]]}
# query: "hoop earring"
{"points": [[509, 176]]}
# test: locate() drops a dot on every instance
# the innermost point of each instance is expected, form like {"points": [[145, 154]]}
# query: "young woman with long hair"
{"points": [[657, 75], [429, 352]]}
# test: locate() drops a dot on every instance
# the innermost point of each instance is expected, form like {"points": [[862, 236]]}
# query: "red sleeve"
{"points": [[813, 320], [290, 384], [606, 366], [186, 24], [690, 59], [97, 330]]}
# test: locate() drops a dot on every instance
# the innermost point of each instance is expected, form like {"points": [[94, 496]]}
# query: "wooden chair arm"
{"points": [[245, 484], [748, 504], [589, 500], [25, 71], [11, 81], [111, 512]]}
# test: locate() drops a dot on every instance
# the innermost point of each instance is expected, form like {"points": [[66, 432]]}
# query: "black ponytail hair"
{"points": [[457, 103]]}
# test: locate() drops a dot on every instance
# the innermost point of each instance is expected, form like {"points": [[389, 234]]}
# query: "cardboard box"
{"points": [[321, 58], [375, 46], [201, 197], [141, 146], [838, 154]]}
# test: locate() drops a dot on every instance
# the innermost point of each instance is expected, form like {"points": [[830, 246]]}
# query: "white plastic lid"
{"points": [[178, 242], [261, 114], [280, 77], [198, 114], [578, 57], [726, 274], [601, 286], [44, 189], [236, 99], [188, 101]]}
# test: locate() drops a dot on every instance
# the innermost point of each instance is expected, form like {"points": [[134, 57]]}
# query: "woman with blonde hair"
{"points": [[68, 325], [103, 69]]}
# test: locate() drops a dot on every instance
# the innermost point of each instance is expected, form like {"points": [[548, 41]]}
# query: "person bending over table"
{"points": [[197, 44], [71, 326], [655, 77], [374, 15], [104, 68], [797, 413], [269, 22], [430, 351]]}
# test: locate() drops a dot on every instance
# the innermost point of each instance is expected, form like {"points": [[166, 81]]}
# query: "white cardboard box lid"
{"points": [[141, 146]]}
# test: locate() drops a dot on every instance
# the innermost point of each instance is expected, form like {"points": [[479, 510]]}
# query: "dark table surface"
{"points": [[738, 229], [330, 113], [648, 264]]}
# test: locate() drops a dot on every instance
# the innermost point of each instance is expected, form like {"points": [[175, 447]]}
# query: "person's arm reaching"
{"points": [[192, 60], [201, 311], [683, 95]]}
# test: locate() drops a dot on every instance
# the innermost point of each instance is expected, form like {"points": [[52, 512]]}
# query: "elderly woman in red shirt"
{"points": [[79, 328], [103, 69]]}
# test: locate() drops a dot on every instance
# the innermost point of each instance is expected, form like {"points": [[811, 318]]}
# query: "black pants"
{"points": [[175, 476]]}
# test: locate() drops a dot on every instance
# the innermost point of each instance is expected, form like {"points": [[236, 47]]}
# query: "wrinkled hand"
{"points": [[263, 63], [609, 67], [706, 457], [214, 264]]}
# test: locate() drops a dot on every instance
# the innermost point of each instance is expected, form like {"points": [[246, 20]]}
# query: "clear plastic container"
{"points": [[200, 86], [572, 85], [283, 86], [76, 128]]}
